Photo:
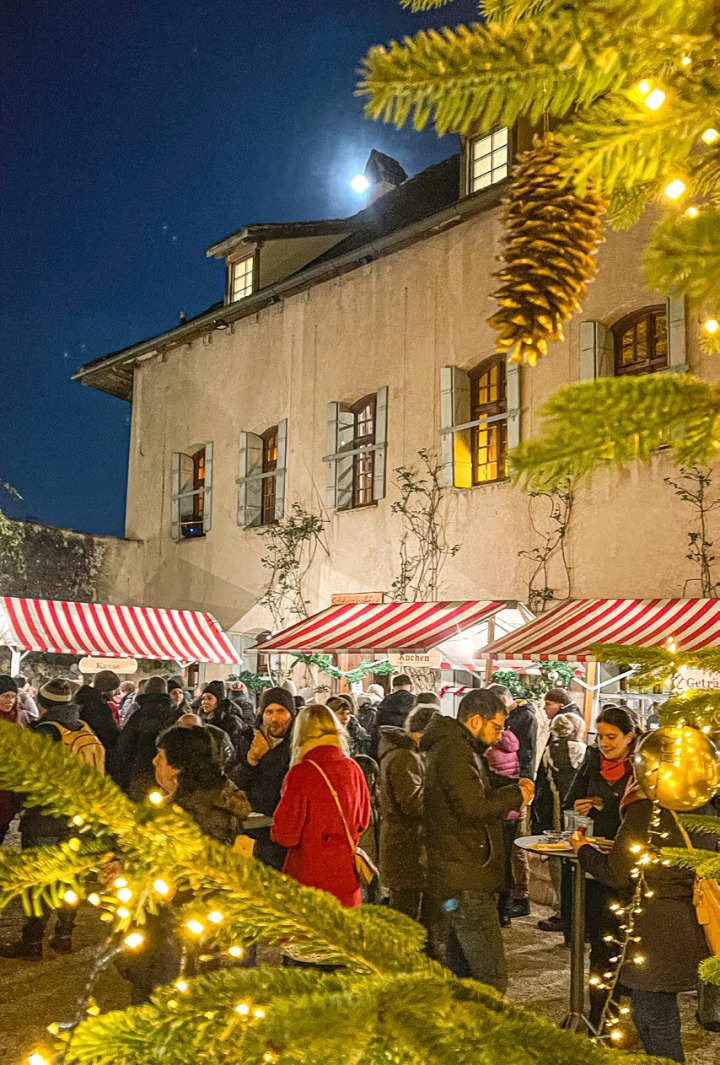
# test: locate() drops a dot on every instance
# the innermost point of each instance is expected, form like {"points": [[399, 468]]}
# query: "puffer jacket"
{"points": [[503, 757], [464, 807], [402, 783], [219, 812], [154, 712], [393, 710], [227, 717]]}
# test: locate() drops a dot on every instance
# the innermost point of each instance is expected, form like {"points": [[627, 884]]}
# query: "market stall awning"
{"points": [[381, 628], [566, 633], [119, 631]]}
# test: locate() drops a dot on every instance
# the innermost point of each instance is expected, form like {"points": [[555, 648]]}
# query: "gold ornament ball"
{"points": [[678, 766]]}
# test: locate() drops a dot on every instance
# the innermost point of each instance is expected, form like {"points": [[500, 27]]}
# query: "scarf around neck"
{"points": [[329, 740]]}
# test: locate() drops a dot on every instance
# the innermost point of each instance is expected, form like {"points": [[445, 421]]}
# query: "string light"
{"points": [[655, 99], [134, 940], [70, 898], [94, 899], [215, 917], [91, 1008], [156, 797], [638, 959], [172, 1004], [242, 1008], [674, 189], [123, 913], [644, 87], [686, 60], [119, 881], [616, 1035], [37, 1059], [54, 1028], [258, 1014], [74, 844], [235, 952], [181, 985], [195, 927], [711, 325], [161, 887], [78, 820], [124, 894], [710, 136]]}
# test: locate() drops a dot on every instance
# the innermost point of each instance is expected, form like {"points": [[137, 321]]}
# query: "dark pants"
{"points": [[656, 1016], [474, 943], [505, 895], [600, 921]]}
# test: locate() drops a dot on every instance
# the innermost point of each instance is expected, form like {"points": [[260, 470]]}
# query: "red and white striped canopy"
{"points": [[117, 631], [381, 628], [566, 633]]}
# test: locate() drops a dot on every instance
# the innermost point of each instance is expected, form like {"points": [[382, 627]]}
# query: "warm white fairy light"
{"points": [[711, 325], [692, 212], [156, 797], [134, 940], [78, 820], [710, 135], [94, 899], [215, 917], [122, 913], [37, 1059], [181, 985], [242, 1008], [119, 881], [161, 887], [644, 87], [235, 952], [655, 99], [125, 894], [70, 898], [195, 927], [259, 1014], [675, 188]]}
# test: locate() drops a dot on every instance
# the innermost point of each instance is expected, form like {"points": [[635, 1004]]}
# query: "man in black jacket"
{"points": [[464, 807], [521, 721], [263, 759], [96, 712], [152, 712], [393, 710]]}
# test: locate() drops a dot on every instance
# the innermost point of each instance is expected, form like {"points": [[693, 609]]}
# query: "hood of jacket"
{"points": [[508, 743], [393, 738], [66, 714], [395, 708], [155, 711], [568, 726]]}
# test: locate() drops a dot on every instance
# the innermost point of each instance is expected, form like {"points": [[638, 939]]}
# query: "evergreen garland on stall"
{"points": [[387, 1004]]}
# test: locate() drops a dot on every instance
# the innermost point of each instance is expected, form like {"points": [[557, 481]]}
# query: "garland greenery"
{"points": [[324, 664], [388, 1003], [656, 665], [552, 674]]}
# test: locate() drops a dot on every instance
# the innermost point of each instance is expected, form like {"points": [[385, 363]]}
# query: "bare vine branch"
{"points": [[553, 543], [291, 545], [692, 488]]}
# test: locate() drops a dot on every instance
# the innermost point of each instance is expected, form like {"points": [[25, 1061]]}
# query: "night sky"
{"points": [[134, 134]]}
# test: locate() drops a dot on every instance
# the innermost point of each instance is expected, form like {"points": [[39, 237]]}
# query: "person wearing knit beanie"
{"points": [[106, 681], [279, 696], [55, 693]]}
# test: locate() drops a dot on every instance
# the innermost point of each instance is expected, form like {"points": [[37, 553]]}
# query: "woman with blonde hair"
{"points": [[324, 808]]}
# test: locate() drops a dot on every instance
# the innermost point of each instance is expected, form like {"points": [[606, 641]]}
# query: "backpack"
{"points": [[84, 744]]}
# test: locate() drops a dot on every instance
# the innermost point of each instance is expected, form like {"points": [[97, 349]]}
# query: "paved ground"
{"points": [[32, 994]]}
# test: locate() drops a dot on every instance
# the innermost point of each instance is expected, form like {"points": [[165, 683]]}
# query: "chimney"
{"points": [[183, 318], [384, 174]]}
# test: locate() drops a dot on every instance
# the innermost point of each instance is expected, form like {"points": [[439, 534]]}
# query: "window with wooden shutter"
{"points": [[488, 408], [269, 466], [191, 493], [641, 342], [480, 421], [261, 476], [357, 444]]}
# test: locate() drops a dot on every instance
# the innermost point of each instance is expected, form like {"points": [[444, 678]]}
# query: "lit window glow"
{"points": [[488, 159], [242, 279]]}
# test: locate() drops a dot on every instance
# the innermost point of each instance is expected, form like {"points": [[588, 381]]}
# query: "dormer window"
{"points": [[487, 159], [241, 279]]}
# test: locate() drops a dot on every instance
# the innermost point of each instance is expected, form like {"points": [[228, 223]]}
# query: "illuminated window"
{"points": [[364, 464], [242, 279], [488, 159], [641, 342], [488, 399], [189, 503], [269, 465]]}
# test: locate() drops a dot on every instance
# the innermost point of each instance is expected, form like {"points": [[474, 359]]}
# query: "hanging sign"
{"points": [[703, 679], [428, 660], [116, 665], [347, 598]]}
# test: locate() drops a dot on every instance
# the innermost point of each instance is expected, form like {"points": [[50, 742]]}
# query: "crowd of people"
{"points": [[435, 802]]}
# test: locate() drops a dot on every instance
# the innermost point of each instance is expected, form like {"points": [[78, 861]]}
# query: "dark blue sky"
{"points": [[136, 133]]}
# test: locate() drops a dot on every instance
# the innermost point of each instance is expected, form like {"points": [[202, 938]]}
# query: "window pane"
{"points": [[499, 137], [242, 279], [489, 159], [641, 342], [268, 501], [364, 467], [660, 325]]}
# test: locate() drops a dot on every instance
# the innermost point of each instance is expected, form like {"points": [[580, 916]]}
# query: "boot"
{"points": [[61, 944], [520, 908]]}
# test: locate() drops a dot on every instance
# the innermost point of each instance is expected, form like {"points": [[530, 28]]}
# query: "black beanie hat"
{"points": [[216, 688], [7, 684], [281, 696]]}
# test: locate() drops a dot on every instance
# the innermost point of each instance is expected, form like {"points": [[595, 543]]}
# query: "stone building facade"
{"points": [[369, 336]]}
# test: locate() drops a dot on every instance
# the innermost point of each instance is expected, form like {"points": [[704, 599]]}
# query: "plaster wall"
{"points": [[392, 322]]}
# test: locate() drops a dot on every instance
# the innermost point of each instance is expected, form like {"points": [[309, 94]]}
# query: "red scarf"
{"points": [[612, 771]]}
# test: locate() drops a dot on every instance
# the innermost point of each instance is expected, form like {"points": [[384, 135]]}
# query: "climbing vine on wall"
{"points": [[290, 547], [11, 535], [550, 514], [693, 487]]}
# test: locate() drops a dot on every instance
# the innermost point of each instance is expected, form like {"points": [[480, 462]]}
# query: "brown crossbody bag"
{"points": [[706, 900], [365, 869]]}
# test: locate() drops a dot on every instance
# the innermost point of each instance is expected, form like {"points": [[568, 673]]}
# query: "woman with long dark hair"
{"points": [[596, 792]]}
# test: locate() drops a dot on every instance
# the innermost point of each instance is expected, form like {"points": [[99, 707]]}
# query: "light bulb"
{"points": [[242, 1008], [195, 927], [78, 820], [644, 87], [134, 940], [710, 136], [215, 917], [655, 99], [70, 898], [94, 899], [616, 1035], [155, 797], [638, 959], [161, 887], [636, 848], [235, 952], [37, 1059], [122, 913], [674, 189], [686, 60], [711, 325], [181, 985], [119, 881], [259, 1014], [172, 1004], [124, 894]]}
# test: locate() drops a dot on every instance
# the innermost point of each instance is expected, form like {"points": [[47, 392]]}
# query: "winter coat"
{"points": [[366, 716], [589, 781], [10, 803], [464, 807], [227, 717], [38, 828], [503, 758], [561, 758], [358, 737], [523, 723], [671, 941], [402, 782], [393, 710], [308, 822], [262, 783], [154, 712], [222, 749], [219, 812], [95, 711], [242, 707]]}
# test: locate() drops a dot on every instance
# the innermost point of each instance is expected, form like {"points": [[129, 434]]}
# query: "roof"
{"points": [[567, 633], [119, 631], [381, 628], [401, 212]]}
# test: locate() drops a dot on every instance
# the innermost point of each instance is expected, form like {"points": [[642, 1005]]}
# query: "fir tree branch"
{"points": [[40, 873], [695, 708], [705, 863], [701, 823], [683, 255]]}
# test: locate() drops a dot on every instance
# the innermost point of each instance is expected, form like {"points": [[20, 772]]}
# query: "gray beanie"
{"points": [[281, 696]]}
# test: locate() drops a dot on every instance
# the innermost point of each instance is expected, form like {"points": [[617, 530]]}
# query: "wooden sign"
{"points": [[696, 678], [116, 665], [429, 660], [346, 598]]}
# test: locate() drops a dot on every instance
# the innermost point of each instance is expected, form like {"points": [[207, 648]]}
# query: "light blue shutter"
{"points": [[597, 354], [512, 396], [675, 310], [281, 465], [207, 502], [249, 486], [379, 464], [455, 410], [339, 475], [174, 493]]}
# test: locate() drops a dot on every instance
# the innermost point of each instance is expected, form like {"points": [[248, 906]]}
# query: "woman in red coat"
{"points": [[307, 820]]}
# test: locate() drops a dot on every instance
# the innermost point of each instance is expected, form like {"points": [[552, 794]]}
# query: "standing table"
{"points": [[575, 1020]]}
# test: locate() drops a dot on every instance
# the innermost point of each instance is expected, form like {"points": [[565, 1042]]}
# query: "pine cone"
{"points": [[549, 254]]}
